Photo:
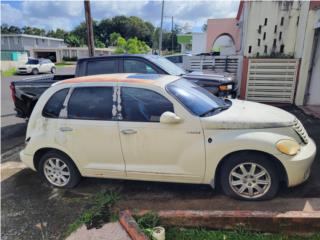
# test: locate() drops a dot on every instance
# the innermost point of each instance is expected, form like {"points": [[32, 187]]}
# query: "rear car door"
{"points": [[154, 150], [90, 131]]}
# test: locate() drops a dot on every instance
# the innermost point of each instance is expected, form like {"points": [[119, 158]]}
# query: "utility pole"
{"points": [[161, 23], [172, 34], [90, 40]]}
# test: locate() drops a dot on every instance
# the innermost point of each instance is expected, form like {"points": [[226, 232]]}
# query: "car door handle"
{"points": [[128, 131], [66, 129]]}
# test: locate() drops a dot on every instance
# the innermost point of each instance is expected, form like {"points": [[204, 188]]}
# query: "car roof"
{"points": [[131, 78], [114, 56]]}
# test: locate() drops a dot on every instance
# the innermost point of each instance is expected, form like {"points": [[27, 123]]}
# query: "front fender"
{"points": [[224, 142]]}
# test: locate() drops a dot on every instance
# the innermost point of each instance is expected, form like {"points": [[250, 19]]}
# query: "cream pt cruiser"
{"points": [[164, 128]]}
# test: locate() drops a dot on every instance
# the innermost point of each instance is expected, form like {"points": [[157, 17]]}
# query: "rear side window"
{"points": [[136, 66], [102, 67], [55, 104], [142, 105], [91, 103]]}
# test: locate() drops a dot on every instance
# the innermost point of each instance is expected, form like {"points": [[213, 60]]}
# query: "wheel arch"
{"points": [[40, 152], [277, 163]]}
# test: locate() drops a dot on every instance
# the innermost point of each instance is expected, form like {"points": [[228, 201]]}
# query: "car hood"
{"points": [[246, 114]]}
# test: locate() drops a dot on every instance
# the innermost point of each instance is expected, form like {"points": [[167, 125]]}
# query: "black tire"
{"points": [[53, 70], [35, 71], [264, 161], [74, 177]]}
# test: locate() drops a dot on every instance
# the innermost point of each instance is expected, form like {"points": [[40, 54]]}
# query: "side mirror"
{"points": [[169, 118]]}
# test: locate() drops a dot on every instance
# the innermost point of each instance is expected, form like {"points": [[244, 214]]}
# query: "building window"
{"points": [[264, 35], [282, 48], [37, 41], [298, 18], [280, 36], [265, 49], [250, 48], [282, 21], [258, 54], [259, 30], [274, 43], [275, 28], [259, 42], [265, 21]]}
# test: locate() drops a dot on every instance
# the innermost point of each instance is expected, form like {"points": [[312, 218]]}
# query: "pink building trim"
{"points": [[220, 27]]}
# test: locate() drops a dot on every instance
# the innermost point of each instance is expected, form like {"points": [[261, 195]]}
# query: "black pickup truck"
{"points": [[25, 93]]}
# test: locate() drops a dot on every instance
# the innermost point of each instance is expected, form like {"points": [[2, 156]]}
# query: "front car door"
{"points": [[90, 131], [154, 150]]}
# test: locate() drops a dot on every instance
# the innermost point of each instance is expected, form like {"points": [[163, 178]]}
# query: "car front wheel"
{"points": [[35, 71], [58, 170], [249, 176]]}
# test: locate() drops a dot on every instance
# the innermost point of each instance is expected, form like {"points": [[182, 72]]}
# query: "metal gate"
{"points": [[272, 80]]}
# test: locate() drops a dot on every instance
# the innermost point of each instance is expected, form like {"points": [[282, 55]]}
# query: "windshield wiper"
{"points": [[213, 110]]}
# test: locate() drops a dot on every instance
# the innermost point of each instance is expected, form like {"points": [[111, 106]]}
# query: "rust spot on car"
{"points": [[104, 78]]}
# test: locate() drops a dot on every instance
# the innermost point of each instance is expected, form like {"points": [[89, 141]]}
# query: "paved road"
{"points": [[13, 128], [33, 210]]}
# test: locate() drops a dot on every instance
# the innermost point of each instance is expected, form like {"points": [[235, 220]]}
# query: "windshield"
{"points": [[167, 65], [32, 61], [195, 98]]}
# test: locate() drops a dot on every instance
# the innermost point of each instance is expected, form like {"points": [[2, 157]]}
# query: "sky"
{"points": [[68, 14]]}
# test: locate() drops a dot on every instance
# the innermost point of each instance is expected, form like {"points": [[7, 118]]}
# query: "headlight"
{"points": [[287, 146], [225, 87]]}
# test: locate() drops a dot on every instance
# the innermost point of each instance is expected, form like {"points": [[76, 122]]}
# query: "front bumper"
{"points": [[298, 166], [27, 159], [24, 71]]}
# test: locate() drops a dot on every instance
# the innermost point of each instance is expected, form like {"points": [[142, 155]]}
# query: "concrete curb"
{"points": [[131, 226], [293, 222]]}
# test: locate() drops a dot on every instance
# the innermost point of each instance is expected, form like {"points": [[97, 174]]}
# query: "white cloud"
{"points": [[68, 14]]}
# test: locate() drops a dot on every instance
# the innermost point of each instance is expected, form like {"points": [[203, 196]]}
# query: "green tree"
{"points": [[121, 45], [132, 46], [33, 31], [6, 29], [58, 33], [113, 38], [72, 40]]}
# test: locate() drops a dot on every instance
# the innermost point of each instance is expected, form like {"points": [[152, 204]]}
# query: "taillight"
{"points": [[13, 92]]}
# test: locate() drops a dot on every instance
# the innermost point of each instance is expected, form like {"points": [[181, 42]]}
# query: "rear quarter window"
{"points": [[102, 67], [55, 104]]}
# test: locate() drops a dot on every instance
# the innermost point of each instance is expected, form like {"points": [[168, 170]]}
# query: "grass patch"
{"points": [[64, 64], [147, 222], [8, 73], [97, 213], [203, 234]]}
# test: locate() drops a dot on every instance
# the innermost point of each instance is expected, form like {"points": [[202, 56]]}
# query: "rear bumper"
{"points": [[27, 159], [298, 167]]}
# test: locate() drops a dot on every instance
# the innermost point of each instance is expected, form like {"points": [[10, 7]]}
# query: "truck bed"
{"points": [[26, 92]]}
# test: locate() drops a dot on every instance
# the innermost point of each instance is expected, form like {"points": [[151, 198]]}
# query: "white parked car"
{"points": [[36, 66], [164, 128]]}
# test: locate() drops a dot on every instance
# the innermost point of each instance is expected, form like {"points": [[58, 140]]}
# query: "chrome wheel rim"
{"points": [[56, 172], [249, 180]]}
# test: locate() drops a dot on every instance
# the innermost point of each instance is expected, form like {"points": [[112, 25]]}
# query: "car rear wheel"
{"points": [[35, 71], [53, 70], [58, 170], [249, 176]]}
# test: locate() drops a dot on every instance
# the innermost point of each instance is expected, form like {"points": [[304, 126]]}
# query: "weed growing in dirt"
{"points": [[147, 222], [98, 212]]}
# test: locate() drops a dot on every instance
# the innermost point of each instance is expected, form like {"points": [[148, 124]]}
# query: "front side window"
{"points": [[91, 103], [102, 67], [136, 66], [55, 104], [195, 98], [142, 105]]}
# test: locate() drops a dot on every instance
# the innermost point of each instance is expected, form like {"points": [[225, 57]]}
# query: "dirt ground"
{"points": [[34, 210]]}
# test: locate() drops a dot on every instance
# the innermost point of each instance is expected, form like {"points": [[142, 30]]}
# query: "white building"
{"points": [[199, 42]]}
